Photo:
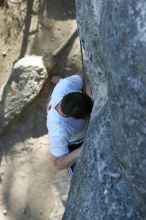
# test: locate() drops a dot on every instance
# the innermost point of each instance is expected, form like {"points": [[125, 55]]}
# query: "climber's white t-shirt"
{"points": [[64, 131]]}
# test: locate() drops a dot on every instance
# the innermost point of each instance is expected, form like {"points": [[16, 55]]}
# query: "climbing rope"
{"points": [[83, 69]]}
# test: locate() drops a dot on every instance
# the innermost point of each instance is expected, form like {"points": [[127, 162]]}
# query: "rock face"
{"points": [[109, 180], [26, 81]]}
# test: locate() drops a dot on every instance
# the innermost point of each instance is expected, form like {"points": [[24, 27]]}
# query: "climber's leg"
{"points": [[71, 148]]}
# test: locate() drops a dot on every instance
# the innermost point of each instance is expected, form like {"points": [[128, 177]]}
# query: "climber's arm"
{"points": [[87, 86], [67, 160]]}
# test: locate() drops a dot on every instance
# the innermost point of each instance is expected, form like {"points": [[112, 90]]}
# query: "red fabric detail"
{"points": [[49, 107]]}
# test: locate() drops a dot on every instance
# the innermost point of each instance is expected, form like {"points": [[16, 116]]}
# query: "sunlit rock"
{"points": [[25, 83]]}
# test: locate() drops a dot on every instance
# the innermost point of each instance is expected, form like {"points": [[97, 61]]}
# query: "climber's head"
{"points": [[76, 105]]}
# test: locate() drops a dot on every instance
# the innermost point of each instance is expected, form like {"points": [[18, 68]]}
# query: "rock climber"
{"points": [[68, 117]]}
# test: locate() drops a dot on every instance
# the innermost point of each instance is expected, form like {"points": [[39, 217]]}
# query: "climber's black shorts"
{"points": [[71, 148]]}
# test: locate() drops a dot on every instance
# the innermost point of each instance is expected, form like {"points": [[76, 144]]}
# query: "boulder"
{"points": [[109, 179], [25, 83]]}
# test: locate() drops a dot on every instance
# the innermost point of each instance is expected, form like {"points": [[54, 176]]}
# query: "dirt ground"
{"points": [[30, 188]]}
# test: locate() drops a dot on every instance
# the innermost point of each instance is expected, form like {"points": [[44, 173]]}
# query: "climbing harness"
{"points": [[83, 69]]}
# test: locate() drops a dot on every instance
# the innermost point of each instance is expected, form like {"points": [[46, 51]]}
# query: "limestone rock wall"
{"points": [[109, 180]]}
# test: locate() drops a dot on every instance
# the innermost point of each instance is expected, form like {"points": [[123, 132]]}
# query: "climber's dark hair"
{"points": [[76, 105]]}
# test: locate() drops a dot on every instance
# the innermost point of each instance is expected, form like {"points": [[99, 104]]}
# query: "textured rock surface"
{"points": [[110, 177], [26, 81]]}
